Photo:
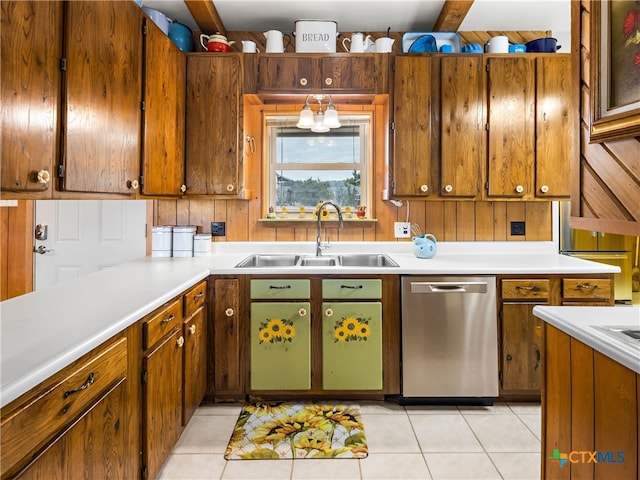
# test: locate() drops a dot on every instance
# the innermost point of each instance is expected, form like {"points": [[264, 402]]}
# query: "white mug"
{"points": [[357, 42], [249, 46], [498, 44], [382, 45]]}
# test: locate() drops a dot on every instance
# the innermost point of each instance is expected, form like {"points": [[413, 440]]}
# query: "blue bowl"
{"points": [[472, 48]]}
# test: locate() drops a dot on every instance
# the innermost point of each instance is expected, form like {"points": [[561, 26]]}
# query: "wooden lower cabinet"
{"points": [[590, 403], [195, 362]]}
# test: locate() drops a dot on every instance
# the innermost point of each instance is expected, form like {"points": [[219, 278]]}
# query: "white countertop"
{"points": [[591, 325], [44, 331]]}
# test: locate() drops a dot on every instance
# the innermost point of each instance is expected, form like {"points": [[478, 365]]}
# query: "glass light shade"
{"points": [[306, 118], [331, 118], [320, 126]]}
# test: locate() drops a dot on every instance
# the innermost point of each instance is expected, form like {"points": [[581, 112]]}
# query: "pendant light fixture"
{"points": [[323, 121]]}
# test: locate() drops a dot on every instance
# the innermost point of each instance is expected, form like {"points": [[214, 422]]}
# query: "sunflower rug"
{"points": [[297, 430]]}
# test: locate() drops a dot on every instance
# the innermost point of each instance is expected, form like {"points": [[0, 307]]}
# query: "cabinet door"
{"points": [[164, 114], [511, 120], [213, 147], [352, 346], [553, 126], [30, 93], [195, 362], [280, 346], [279, 74], [93, 447], [103, 88], [228, 367], [352, 74], [415, 140], [462, 143], [521, 348], [161, 402]]}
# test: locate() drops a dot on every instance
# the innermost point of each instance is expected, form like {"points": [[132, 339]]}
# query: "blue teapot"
{"points": [[424, 246]]}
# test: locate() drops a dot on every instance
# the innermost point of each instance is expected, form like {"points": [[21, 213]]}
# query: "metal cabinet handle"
{"points": [[279, 287], [586, 286], [192, 329], [167, 319], [198, 295], [180, 341], [229, 312], [530, 288], [84, 386], [353, 287], [252, 144]]}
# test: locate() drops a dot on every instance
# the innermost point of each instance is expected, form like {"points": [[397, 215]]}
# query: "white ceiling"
{"points": [[378, 15]]}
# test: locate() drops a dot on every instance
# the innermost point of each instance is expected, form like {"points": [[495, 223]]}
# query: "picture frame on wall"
{"points": [[615, 70]]}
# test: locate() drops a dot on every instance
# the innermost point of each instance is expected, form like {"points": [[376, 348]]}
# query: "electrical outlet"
{"points": [[517, 228], [402, 229], [218, 229]]}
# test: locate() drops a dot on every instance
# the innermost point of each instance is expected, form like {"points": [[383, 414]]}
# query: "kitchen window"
{"points": [[305, 167]]}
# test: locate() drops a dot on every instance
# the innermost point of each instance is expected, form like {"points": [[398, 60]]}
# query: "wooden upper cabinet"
{"points": [[554, 129], [462, 129], [326, 73], [511, 121], [31, 37], [102, 97], [164, 114], [214, 124], [415, 138]]}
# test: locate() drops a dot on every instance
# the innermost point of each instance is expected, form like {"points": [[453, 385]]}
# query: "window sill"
{"points": [[291, 221]]}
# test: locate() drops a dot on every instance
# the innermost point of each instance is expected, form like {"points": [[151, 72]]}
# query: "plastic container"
{"points": [[201, 245], [183, 240], [161, 241]]}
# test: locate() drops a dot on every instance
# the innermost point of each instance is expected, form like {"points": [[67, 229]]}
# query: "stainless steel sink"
{"points": [[260, 260]]}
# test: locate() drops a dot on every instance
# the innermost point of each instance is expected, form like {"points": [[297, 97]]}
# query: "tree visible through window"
{"points": [[306, 167]]}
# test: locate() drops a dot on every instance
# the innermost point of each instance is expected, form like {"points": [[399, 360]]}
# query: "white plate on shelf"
{"points": [[442, 38]]}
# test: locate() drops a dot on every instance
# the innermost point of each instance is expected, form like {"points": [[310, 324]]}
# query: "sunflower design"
{"points": [[364, 330], [352, 329], [265, 335], [351, 325], [261, 409], [276, 330], [340, 334], [288, 332], [276, 326]]}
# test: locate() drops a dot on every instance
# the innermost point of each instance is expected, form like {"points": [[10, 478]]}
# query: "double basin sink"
{"points": [[287, 260]]}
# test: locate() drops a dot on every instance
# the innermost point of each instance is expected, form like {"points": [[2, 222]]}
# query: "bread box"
{"points": [[316, 36]]}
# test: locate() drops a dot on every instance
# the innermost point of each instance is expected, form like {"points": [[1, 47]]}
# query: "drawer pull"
{"points": [[198, 295], [84, 386], [229, 312], [192, 329], [530, 288], [168, 319], [586, 286], [277, 287], [353, 287]]}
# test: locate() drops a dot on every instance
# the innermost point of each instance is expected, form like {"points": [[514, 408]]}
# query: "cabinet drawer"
{"points": [[53, 406], [352, 288], [194, 298], [586, 288], [280, 288], [161, 323], [525, 289]]}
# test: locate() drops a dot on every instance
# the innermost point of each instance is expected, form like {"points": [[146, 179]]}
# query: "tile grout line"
{"points": [[424, 459], [484, 449]]}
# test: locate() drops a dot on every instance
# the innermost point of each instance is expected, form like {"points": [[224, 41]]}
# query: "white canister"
{"points": [[161, 241], [498, 44], [183, 240], [317, 36], [201, 245]]}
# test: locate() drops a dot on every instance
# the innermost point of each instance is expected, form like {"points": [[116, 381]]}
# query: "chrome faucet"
{"points": [[319, 244]]}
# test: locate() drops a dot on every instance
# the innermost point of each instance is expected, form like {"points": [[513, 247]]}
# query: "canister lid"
{"points": [[162, 229], [202, 236], [184, 229]]}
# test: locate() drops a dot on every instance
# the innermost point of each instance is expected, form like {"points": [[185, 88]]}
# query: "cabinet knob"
{"points": [[180, 341], [509, 357], [183, 188], [303, 82], [192, 329], [328, 81], [230, 188], [424, 188], [448, 188], [43, 177], [519, 189], [544, 188], [229, 312], [133, 184]]}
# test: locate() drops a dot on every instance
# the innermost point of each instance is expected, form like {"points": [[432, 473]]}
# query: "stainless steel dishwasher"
{"points": [[449, 340]]}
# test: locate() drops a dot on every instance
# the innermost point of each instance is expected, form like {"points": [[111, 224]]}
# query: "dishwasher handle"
{"points": [[449, 287]]}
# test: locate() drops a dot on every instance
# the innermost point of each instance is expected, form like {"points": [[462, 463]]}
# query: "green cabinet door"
{"points": [[352, 346], [280, 346]]}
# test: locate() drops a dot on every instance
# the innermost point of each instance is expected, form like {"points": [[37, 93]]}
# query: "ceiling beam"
{"points": [[452, 15], [206, 16]]}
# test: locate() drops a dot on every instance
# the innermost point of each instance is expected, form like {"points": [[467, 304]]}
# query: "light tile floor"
{"points": [[413, 442]]}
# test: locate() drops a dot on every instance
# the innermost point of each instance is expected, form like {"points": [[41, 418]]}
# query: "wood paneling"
{"points": [[16, 244], [606, 175]]}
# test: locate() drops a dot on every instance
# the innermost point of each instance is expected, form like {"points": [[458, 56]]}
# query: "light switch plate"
{"points": [[402, 229]]}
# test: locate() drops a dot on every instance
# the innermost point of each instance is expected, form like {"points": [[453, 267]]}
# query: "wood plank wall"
{"points": [[607, 178], [16, 258]]}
